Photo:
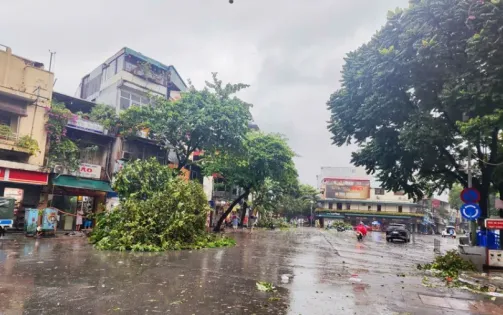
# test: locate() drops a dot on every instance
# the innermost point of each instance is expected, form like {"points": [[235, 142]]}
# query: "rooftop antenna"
{"points": [[53, 55]]}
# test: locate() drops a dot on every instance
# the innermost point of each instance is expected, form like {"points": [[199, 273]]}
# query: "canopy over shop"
{"points": [[77, 197]]}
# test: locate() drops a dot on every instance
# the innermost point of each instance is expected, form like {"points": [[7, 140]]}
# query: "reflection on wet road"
{"points": [[315, 271]]}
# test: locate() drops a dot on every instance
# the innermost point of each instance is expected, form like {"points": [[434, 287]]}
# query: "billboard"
{"points": [[341, 188]]}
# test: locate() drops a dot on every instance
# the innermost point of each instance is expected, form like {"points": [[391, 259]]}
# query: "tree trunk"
{"points": [[243, 211], [233, 204]]}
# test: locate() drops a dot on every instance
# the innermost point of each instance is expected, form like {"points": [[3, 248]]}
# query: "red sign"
{"points": [[494, 224], [470, 195], [22, 176]]}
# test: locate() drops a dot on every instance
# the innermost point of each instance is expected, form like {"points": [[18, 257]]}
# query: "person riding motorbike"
{"points": [[361, 231]]}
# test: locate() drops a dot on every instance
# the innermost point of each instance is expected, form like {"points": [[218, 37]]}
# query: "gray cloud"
{"points": [[291, 52]]}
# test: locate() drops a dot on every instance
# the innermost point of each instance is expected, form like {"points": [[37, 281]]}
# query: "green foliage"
{"points": [[170, 219], [449, 265], [141, 179], [405, 110], [263, 157], [265, 286], [5, 131], [62, 150], [104, 115], [29, 143], [267, 221], [211, 119], [454, 196]]}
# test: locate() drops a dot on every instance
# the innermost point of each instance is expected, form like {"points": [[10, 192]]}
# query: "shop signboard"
{"points": [[494, 224], [88, 125], [346, 188], [88, 171], [14, 193]]}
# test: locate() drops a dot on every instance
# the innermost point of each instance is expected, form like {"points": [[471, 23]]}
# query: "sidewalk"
{"points": [[493, 281]]}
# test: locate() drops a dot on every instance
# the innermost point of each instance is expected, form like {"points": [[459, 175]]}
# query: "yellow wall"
{"points": [[21, 79]]}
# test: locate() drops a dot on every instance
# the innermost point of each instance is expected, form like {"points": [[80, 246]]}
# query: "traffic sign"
{"points": [[470, 211], [470, 195], [494, 224]]}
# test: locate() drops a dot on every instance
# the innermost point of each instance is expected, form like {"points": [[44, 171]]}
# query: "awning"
{"points": [[81, 183]]}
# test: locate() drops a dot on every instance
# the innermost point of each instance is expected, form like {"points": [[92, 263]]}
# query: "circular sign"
{"points": [[470, 211], [470, 195]]}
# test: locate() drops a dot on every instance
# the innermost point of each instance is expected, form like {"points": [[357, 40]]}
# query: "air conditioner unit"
{"points": [[126, 156]]}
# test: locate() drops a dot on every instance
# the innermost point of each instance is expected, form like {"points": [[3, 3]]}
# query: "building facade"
{"points": [[130, 78], [25, 93], [349, 194]]}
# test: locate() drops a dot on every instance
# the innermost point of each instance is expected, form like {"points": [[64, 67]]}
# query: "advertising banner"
{"points": [[346, 188]]}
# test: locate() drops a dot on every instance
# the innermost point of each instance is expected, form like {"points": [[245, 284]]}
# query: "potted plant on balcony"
{"points": [[5, 132]]}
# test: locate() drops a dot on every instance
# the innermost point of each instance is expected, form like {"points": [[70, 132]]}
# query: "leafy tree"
{"points": [[159, 212], [141, 179], [210, 119], [263, 157], [62, 151], [454, 196], [405, 93], [105, 115]]}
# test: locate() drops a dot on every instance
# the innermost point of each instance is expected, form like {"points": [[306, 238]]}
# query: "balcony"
{"points": [[11, 142], [87, 125]]}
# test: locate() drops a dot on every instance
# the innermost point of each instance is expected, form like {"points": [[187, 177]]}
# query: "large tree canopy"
{"points": [[420, 92], [264, 157], [209, 119]]}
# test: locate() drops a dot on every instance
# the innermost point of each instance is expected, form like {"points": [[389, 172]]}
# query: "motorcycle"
{"points": [[359, 236]]}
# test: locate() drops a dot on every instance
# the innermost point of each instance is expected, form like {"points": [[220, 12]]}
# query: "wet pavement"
{"points": [[315, 272]]}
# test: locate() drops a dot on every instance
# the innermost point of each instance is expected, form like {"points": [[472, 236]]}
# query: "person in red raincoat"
{"points": [[361, 229]]}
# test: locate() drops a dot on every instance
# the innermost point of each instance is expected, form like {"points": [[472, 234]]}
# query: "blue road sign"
{"points": [[470, 195], [470, 211]]}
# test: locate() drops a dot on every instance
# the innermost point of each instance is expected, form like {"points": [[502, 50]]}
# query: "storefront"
{"points": [[379, 222], [77, 198], [26, 187]]}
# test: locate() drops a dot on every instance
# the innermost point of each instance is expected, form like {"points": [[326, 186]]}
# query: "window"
{"points": [[399, 208], [4, 119], [378, 208], [399, 193], [369, 208], [339, 206], [128, 99], [379, 191], [330, 205], [348, 206]]}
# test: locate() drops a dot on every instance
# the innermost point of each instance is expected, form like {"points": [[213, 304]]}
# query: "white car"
{"points": [[449, 231]]}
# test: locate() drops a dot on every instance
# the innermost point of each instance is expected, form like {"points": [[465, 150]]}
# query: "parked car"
{"points": [[397, 232], [449, 231]]}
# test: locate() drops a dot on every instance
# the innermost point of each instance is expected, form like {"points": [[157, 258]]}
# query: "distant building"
{"points": [[25, 92], [349, 194], [129, 78]]}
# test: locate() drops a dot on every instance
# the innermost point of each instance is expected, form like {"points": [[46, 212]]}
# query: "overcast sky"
{"points": [[289, 51]]}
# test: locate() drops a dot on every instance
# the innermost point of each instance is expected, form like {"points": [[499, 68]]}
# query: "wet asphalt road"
{"points": [[315, 271]]}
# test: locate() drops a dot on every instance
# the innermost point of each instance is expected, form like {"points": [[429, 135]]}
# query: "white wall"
{"points": [[208, 187]]}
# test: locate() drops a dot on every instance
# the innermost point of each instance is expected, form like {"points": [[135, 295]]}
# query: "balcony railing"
{"points": [[9, 138], [87, 125]]}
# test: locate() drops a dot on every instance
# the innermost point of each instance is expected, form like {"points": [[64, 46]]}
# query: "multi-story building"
{"points": [[130, 78], [25, 93], [349, 194]]}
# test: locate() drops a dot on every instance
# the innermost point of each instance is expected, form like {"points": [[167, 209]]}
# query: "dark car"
{"points": [[397, 232]]}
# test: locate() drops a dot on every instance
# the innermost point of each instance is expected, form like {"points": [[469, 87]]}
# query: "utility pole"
{"points": [[473, 223]]}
